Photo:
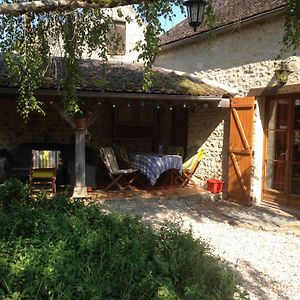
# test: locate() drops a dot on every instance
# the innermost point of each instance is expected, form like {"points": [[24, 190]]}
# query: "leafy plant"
{"points": [[14, 193], [55, 249]]}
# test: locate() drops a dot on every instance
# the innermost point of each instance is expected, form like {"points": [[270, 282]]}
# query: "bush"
{"points": [[14, 193], [70, 251]]}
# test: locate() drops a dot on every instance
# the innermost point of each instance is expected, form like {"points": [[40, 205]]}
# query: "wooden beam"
{"points": [[240, 129], [275, 90], [238, 171], [67, 118], [95, 115], [61, 5]]}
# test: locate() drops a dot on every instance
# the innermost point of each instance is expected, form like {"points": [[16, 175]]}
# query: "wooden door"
{"points": [[240, 150], [282, 151]]}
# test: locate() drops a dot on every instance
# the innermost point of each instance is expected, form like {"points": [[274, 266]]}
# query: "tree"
{"points": [[30, 30], [29, 33]]}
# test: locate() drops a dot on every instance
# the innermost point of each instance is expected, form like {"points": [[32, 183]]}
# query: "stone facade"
{"points": [[134, 33], [207, 129], [244, 58]]}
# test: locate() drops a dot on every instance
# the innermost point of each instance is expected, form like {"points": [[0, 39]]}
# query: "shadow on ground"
{"points": [[197, 204]]}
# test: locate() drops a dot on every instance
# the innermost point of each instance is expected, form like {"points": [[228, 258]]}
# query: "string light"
{"points": [[114, 105], [184, 105], [99, 103], [128, 105], [142, 103], [158, 107], [171, 108]]}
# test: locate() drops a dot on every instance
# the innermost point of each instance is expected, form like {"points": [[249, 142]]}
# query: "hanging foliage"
{"points": [[291, 37], [31, 42], [32, 36]]}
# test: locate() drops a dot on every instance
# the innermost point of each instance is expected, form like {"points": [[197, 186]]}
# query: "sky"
{"points": [[179, 17]]}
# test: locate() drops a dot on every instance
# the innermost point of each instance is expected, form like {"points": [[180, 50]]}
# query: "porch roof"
{"points": [[120, 78]]}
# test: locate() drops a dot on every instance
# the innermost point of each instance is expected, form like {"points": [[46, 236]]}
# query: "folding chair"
{"points": [[122, 178], [43, 177], [121, 155], [189, 168], [43, 170]]}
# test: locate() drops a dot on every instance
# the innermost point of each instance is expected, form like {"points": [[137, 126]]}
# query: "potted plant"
{"points": [[80, 119]]}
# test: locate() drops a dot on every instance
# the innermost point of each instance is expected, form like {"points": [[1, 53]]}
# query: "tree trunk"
{"points": [[52, 5]]}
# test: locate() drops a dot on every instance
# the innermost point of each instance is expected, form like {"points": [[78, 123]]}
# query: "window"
{"points": [[117, 39]]}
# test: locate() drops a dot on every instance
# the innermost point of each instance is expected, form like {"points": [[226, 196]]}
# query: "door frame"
{"points": [[271, 195]]}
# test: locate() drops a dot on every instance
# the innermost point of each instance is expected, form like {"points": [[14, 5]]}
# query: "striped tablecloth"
{"points": [[152, 165]]}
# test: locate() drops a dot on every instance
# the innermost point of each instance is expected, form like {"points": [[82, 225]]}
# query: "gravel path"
{"points": [[261, 244]]}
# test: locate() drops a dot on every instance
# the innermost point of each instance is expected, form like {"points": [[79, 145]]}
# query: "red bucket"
{"points": [[215, 186]]}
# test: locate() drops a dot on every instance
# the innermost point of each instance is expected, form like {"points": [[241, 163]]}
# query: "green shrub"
{"points": [[67, 250], [13, 193]]}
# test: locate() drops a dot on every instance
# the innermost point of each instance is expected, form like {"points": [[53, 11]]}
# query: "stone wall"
{"points": [[51, 128], [134, 33], [243, 58], [209, 129]]}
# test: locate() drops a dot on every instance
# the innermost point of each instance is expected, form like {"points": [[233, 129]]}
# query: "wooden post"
{"points": [[80, 189]]}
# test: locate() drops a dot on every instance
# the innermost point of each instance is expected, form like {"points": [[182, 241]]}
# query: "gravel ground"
{"points": [[261, 244]]}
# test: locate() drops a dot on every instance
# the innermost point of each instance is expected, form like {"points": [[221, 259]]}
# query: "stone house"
{"points": [[243, 51]]}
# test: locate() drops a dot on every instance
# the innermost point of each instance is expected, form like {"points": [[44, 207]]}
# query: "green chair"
{"points": [[122, 178], [189, 168]]}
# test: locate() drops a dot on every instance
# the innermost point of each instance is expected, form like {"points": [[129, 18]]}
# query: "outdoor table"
{"points": [[153, 165]]}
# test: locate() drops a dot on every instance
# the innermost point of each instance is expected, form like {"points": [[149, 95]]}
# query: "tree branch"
{"points": [[53, 5]]}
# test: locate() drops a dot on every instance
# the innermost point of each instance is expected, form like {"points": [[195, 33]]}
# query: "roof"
{"points": [[227, 12], [123, 78]]}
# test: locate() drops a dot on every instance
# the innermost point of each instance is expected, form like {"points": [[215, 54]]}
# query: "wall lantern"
{"points": [[282, 73], [195, 10]]}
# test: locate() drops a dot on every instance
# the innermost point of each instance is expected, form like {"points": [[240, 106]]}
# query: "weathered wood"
{"points": [[275, 90], [60, 110], [80, 189], [61, 5], [95, 115]]}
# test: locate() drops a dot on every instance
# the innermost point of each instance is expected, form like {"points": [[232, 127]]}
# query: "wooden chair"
{"points": [[189, 168], [122, 178], [43, 177], [43, 169], [121, 155]]}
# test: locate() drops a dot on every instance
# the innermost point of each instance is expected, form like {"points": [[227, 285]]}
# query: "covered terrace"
{"points": [[116, 109]]}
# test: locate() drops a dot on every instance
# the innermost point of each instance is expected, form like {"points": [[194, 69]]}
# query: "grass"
{"points": [[56, 249]]}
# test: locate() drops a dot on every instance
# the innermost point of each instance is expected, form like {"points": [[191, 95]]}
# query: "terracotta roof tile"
{"points": [[125, 78], [227, 12]]}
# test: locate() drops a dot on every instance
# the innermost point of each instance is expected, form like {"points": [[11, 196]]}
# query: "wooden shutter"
{"points": [[240, 150]]}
